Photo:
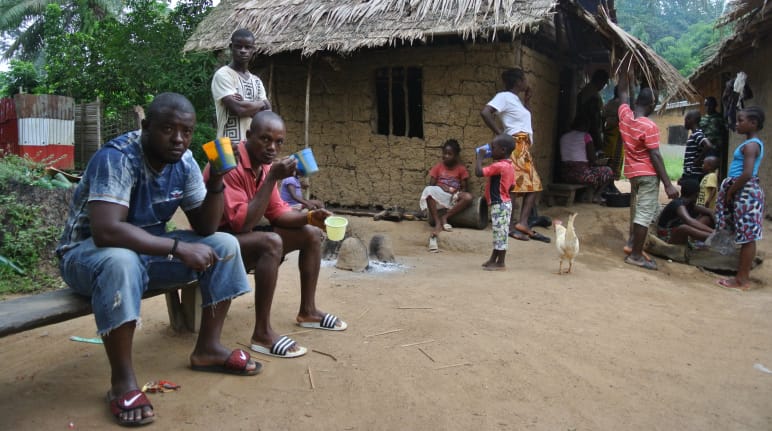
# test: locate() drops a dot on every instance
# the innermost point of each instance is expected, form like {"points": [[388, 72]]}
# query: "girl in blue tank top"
{"points": [[740, 202]]}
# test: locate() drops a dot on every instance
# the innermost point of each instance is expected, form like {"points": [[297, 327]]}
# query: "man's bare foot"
{"points": [[733, 283]]}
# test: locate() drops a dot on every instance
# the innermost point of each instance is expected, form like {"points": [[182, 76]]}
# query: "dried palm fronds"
{"points": [[742, 10], [641, 59]]}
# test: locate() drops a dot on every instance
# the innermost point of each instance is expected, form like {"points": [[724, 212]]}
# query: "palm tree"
{"points": [[22, 21]]}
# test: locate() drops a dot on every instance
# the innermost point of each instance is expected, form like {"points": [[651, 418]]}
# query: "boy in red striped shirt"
{"points": [[644, 168]]}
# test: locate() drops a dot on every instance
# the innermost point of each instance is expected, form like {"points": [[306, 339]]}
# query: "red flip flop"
{"points": [[236, 364], [131, 400]]}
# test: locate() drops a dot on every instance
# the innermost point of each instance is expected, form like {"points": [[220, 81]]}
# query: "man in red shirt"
{"points": [[644, 168], [251, 193]]}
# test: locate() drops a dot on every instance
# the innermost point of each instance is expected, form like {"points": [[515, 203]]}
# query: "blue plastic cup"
{"points": [[486, 150], [306, 162]]}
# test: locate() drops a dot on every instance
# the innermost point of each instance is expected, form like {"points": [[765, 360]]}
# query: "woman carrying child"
{"points": [[740, 202], [446, 190]]}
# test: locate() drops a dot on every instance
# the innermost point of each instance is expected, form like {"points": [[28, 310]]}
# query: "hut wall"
{"points": [[359, 167], [668, 119]]}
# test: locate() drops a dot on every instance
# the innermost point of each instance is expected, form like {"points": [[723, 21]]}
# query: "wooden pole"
{"points": [[308, 101], [307, 119]]}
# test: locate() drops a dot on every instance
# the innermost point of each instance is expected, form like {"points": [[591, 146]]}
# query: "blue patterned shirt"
{"points": [[119, 174]]}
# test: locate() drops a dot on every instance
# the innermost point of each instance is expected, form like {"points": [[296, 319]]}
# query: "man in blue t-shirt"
{"points": [[115, 247]]}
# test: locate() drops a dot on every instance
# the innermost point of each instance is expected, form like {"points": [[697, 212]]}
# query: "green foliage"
{"points": [[21, 247], [21, 75], [204, 133], [126, 61], [681, 31], [674, 166], [24, 236], [24, 20], [18, 169]]}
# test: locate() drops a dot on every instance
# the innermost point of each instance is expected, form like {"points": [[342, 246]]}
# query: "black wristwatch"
{"points": [[170, 256]]}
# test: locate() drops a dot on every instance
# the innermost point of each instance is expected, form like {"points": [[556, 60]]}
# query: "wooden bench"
{"points": [[567, 191], [28, 312]]}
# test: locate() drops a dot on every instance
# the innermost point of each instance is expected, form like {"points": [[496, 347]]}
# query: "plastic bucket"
{"points": [[306, 162], [336, 227], [220, 155]]}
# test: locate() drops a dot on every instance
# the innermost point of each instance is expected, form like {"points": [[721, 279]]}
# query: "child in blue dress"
{"points": [[740, 202]]}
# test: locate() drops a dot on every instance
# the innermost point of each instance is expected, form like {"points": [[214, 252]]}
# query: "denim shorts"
{"points": [[116, 278], [644, 199]]}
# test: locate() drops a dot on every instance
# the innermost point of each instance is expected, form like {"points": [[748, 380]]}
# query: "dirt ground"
{"points": [[443, 345]]}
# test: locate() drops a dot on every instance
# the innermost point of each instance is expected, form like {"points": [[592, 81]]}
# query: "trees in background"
{"points": [[24, 21], [681, 31], [124, 59]]}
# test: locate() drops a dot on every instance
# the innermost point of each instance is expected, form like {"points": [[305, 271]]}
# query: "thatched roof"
{"points": [[750, 22], [344, 26]]}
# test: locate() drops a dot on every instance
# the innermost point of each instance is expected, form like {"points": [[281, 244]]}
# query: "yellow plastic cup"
{"points": [[220, 155], [336, 227]]}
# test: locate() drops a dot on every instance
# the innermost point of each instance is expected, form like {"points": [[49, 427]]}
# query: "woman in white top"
{"points": [[578, 162], [516, 118]]}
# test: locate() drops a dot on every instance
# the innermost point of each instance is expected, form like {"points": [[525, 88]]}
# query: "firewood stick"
{"points": [[417, 343], [384, 333], [453, 365], [363, 313], [311, 378], [325, 354], [427, 355]]}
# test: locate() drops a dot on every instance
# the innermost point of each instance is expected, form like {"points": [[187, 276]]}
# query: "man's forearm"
{"points": [[659, 166], [258, 204]]}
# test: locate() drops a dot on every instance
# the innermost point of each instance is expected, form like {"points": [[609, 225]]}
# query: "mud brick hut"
{"points": [[375, 87], [746, 49]]}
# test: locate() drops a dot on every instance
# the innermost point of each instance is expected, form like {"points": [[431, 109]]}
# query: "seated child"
{"points": [[446, 190], [709, 183], [291, 191], [501, 178], [682, 219]]}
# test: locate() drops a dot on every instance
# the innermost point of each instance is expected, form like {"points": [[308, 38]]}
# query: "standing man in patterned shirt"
{"points": [[237, 93]]}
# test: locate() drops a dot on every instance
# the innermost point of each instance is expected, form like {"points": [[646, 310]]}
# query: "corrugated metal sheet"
{"points": [[9, 130], [46, 131], [58, 156], [44, 106]]}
